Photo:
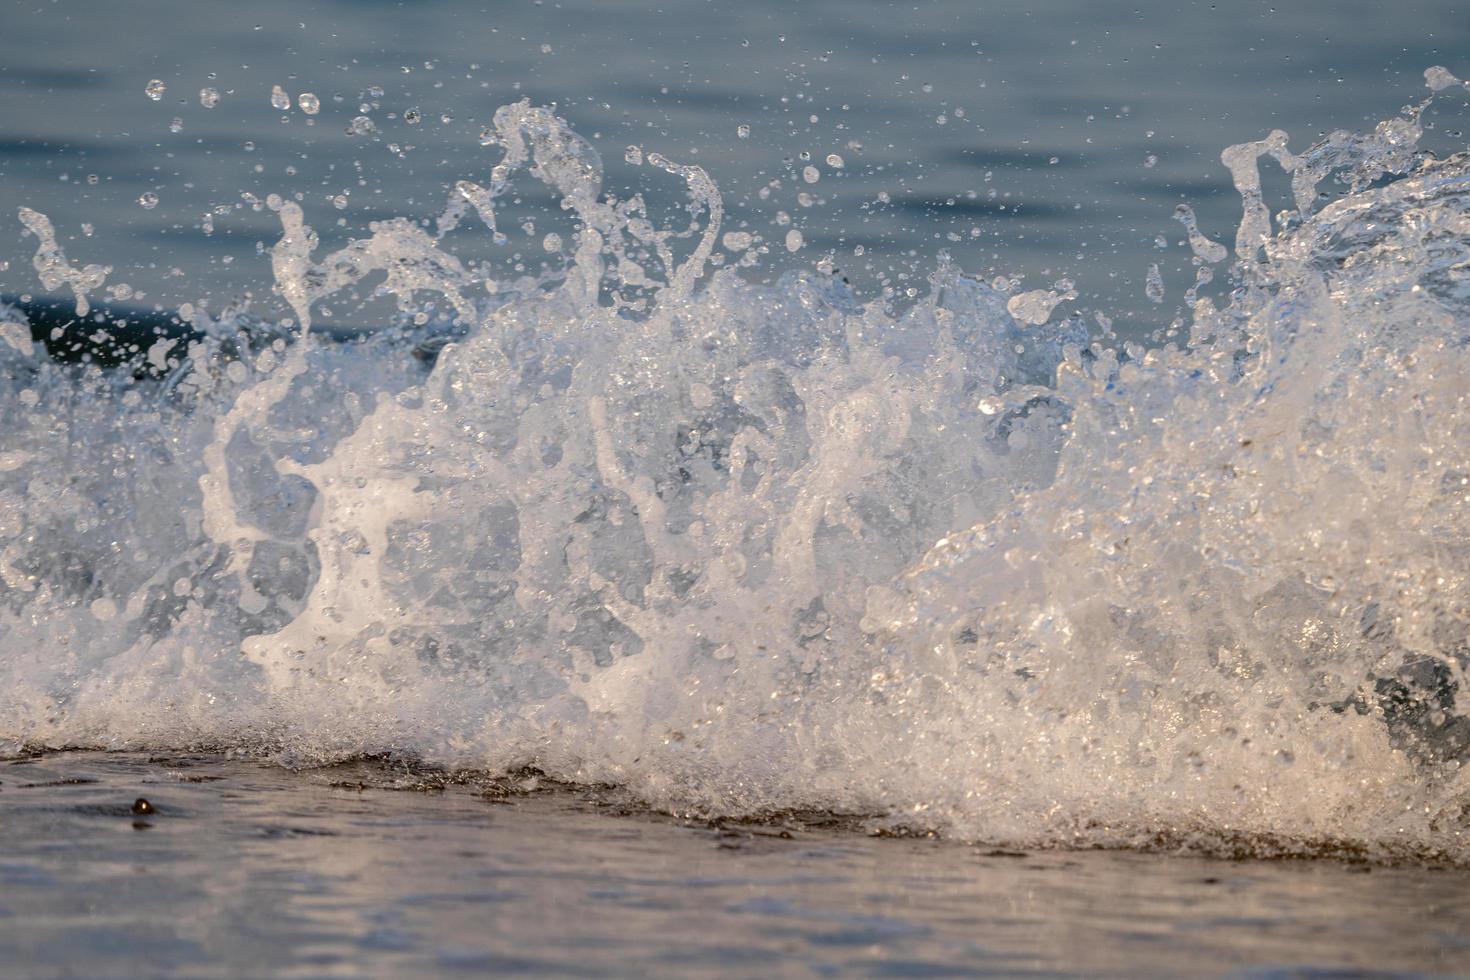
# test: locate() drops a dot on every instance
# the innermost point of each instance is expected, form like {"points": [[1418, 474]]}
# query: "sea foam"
{"points": [[974, 566]]}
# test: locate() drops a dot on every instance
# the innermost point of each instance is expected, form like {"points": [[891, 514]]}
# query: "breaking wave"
{"points": [[972, 566]]}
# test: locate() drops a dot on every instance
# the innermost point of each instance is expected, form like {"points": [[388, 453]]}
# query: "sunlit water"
{"points": [[370, 870], [969, 563], [792, 497]]}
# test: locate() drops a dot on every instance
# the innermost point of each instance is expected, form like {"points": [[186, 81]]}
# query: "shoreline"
{"points": [[396, 774], [238, 867]]}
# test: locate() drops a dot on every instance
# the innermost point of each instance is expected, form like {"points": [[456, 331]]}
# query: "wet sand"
{"points": [[374, 870]]}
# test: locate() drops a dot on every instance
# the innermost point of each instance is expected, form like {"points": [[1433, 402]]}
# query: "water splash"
{"points": [[52, 267], [744, 547]]}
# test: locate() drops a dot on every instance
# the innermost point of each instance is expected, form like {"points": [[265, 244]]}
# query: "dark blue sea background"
{"points": [[1043, 139]]}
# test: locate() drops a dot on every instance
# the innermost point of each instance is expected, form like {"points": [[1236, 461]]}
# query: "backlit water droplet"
{"points": [[309, 103], [1153, 285], [1439, 78], [209, 97], [279, 98], [148, 200], [155, 89]]}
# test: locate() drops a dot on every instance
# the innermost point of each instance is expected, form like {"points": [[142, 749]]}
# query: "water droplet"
{"points": [[177, 126], [737, 241], [833, 160], [1439, 78], [742, 131], [309, 103], [412, 117], [794, 241], [361, 126], [279, 98], [1149, 161], [148, 200], [811, 175], [552, 242], [633, 155], [1153, 286], [209, 97], [155, 89], [1036, 306], [1202, 247]]}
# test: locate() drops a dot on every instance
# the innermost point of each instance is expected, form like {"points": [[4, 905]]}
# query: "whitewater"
{"points": [[971, 565]]}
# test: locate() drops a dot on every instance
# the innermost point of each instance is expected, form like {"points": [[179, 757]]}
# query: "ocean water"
{"points": [[1047, 139], [985, 425], [245, 869]]}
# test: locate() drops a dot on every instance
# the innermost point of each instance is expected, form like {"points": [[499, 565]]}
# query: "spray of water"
{"points": [[746, 547]]}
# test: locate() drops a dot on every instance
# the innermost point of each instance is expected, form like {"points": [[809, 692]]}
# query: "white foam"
{"points": [[747, 546]]}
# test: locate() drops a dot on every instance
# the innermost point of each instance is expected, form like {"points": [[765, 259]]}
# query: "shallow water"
{"points": [[250, 869]]}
